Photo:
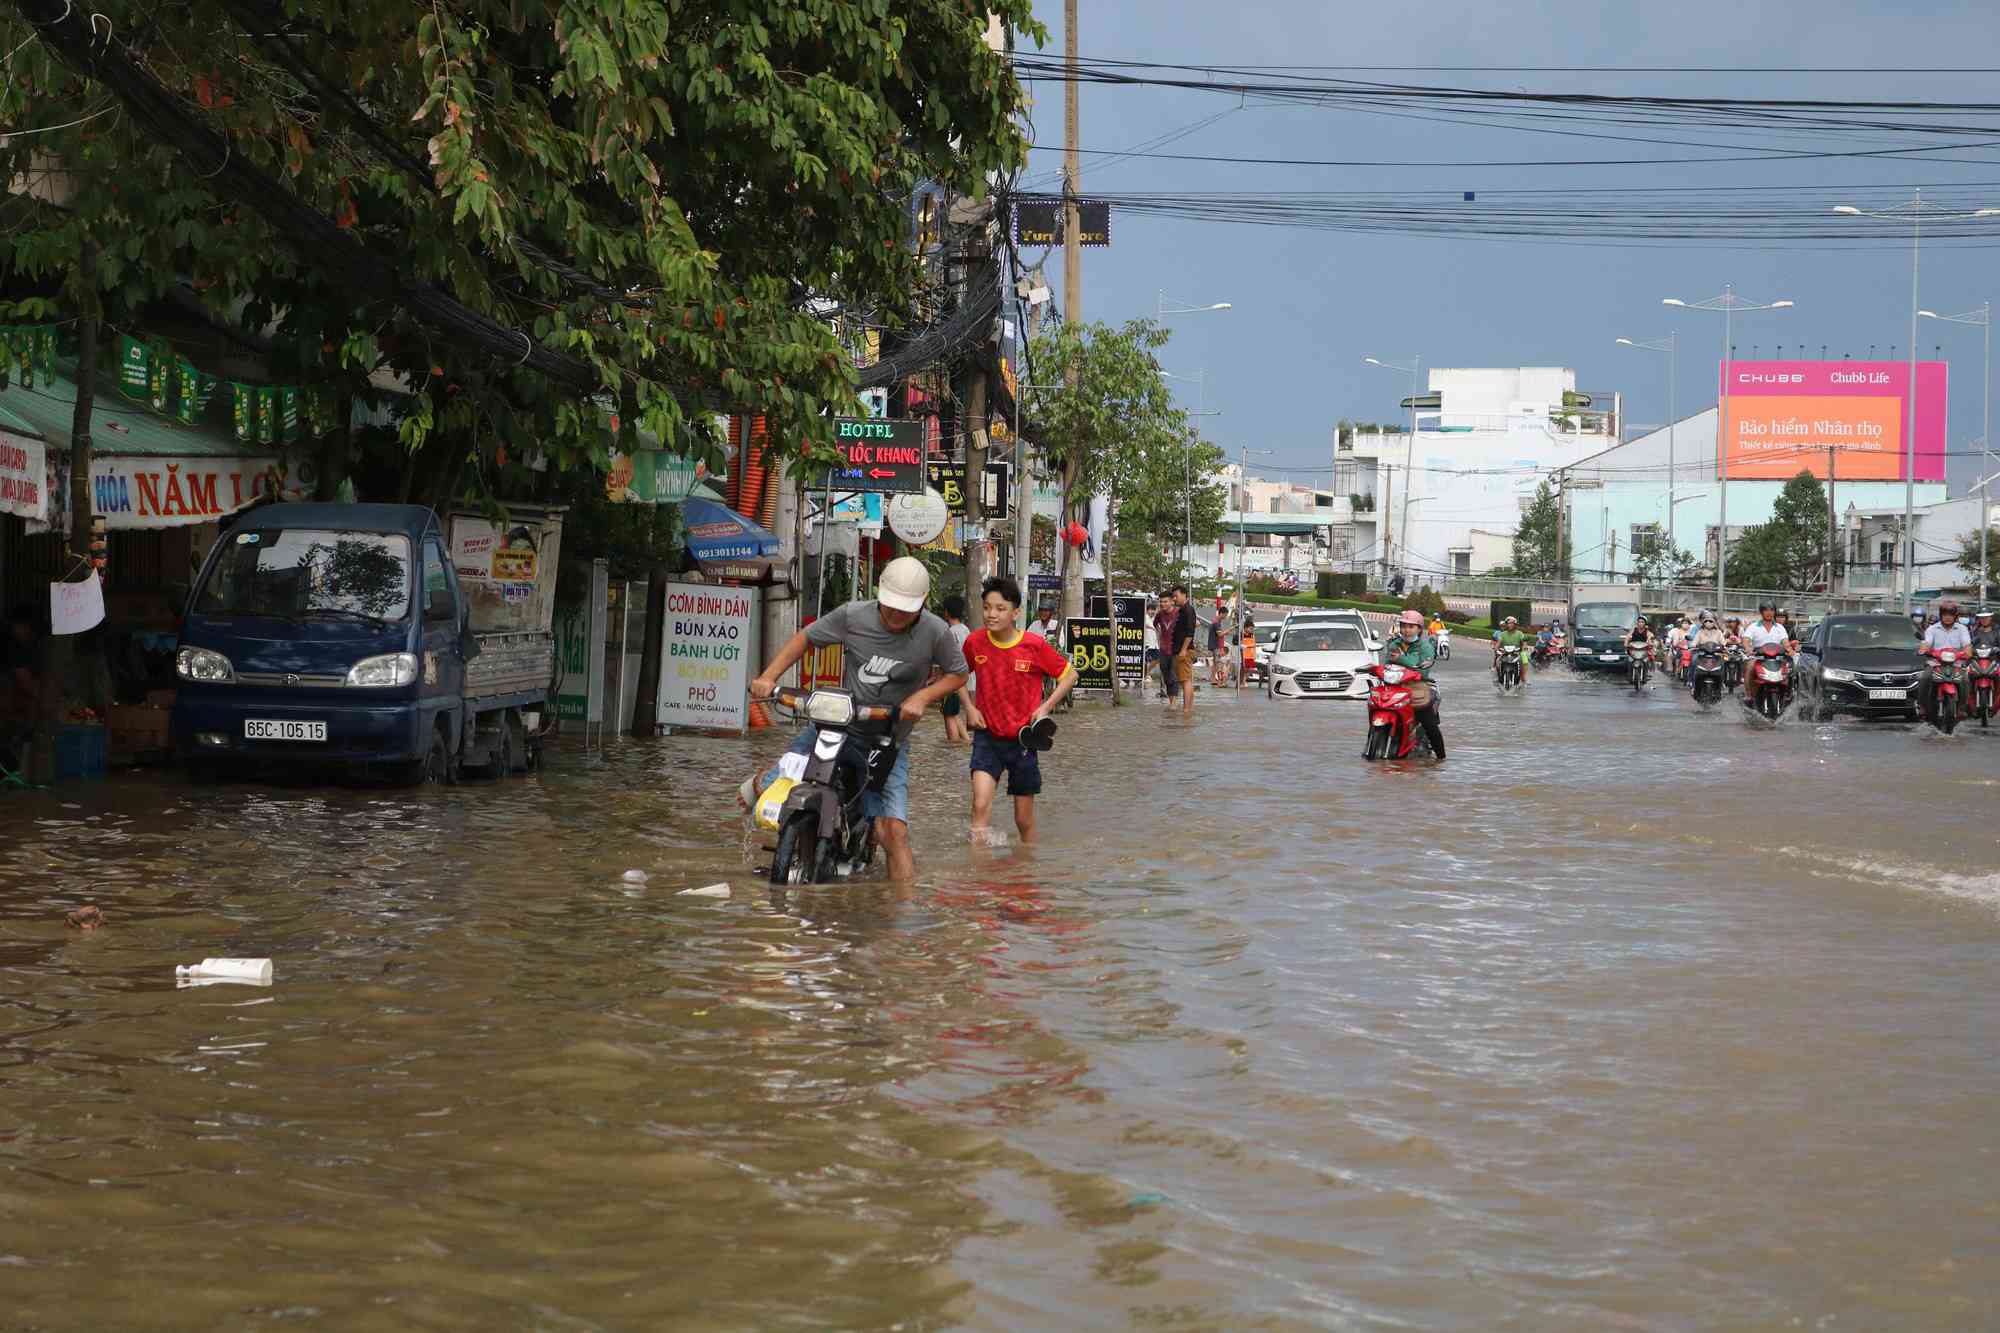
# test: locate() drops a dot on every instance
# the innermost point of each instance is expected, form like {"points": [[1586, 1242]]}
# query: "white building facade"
{"points": [[1447, 499]]}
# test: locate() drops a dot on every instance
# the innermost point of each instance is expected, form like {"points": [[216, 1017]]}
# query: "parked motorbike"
{"points": [[824, 832], [1640, 666], [1732, 667], [1393, 700], [1773, 669], [1710, 667], [1946, 673], [1984, 670], [1507, 666]]}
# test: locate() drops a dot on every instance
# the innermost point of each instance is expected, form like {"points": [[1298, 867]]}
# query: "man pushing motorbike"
{"points": [[889, 649]]}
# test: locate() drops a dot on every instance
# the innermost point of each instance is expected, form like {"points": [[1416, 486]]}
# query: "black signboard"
{"points": [[1089, 641], [1131, 636], [1038, 220], [948, 480], [885, 456]]}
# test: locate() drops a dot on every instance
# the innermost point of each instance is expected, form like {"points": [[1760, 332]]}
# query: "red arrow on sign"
{"points": [[881, 472]]}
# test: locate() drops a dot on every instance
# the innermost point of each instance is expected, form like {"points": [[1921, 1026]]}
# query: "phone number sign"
{"points": [[886, 456]]}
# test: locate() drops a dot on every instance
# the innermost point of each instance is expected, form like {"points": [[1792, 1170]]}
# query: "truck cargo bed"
{"points": [[508, 664]]}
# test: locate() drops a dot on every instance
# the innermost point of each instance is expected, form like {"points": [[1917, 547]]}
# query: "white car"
{"points": [[1334, 616], [1320, 660]]}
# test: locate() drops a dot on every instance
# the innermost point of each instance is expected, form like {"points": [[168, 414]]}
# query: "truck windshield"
{"points": [[1606, 615], [294, 573]]}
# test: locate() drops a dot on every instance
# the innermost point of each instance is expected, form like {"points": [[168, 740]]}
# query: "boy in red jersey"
{"points": [[1009, 666]]}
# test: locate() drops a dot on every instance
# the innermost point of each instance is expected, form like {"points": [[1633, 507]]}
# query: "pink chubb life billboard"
{"points": [[1838, 418]]}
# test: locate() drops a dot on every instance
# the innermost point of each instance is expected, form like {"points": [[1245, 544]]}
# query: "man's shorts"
{"points": [[1022, 766], [892, 802]]}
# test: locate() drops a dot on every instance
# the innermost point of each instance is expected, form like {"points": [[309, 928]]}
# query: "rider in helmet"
{"points": [[1946, 634], [1511, 636], [1983, 631], [1761, 631], [1640, 640], [1410, 647]]}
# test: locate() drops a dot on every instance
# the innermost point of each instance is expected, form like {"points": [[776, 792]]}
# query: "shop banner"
{"points": [[175, 492], [1089, 640], [23, 477], [706, 656], [652, 476]]}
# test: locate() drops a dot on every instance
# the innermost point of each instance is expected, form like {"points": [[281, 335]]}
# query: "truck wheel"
{"points": [[435, 768]]}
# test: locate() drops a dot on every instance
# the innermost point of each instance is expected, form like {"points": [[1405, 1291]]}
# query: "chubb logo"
{"points": [[1768, 377]]}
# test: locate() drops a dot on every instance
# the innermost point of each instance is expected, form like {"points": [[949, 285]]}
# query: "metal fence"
{"points": [[1681, 596]]}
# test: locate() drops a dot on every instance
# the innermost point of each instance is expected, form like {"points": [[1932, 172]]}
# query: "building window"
{"points": [[1461, 562], [1887, 551], [1645, 538]]}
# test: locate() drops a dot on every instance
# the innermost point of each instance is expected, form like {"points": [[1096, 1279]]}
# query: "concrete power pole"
{"points": [[1072, 591]]}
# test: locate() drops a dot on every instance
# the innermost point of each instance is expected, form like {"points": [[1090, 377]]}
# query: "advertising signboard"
{"points": [[1785, 417], [1038, 220], [1131, 617], [705, 658], [948, 480], [881, 455], [1089, 640], [23, 477]]}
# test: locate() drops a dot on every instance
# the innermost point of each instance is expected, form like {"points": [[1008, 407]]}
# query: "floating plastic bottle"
{"points": [[242, 971]]}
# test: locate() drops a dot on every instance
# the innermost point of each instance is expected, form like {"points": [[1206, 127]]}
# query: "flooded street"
{"points": [[1627, 1017]]}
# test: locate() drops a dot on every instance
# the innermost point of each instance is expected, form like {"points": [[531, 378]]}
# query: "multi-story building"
{"points": [[1446, 499]]}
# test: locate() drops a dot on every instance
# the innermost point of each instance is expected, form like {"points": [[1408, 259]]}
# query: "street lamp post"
{"points": [[1983, 317], [1916, 211], [1161, 309], [1410, 447], [1671, 346], [1728, 303]]}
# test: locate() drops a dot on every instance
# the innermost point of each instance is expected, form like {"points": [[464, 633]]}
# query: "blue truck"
{"points": [[385, 639], [1601, 616]]}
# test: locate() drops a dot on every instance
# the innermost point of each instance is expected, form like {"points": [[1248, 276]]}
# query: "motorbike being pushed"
{"points": [[1772, 671], [1507, 665], [1710, 671], [824, 832], [1947, 671], [1393, 701], [1984, 671]]}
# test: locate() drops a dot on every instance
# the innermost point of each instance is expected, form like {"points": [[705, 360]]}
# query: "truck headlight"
{"points": [[386, 671], [203, 665]]}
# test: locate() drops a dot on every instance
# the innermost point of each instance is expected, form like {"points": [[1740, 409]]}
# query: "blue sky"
{"points": [[1286, 361]]}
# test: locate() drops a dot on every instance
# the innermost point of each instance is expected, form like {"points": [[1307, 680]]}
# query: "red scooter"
{"points": [[1985, 673], [1946, 672], [1771, 672], [1393, 732]]}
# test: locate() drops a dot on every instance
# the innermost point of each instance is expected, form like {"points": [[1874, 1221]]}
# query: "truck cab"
{"points": [[341, 636], [1598, 630]]}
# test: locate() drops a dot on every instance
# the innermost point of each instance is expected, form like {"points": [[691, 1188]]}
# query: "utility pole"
{"points": [[1072, 591], [1832, 517]]}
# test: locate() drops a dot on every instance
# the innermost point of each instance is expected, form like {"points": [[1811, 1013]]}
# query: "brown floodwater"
{"points": [[1628, 1017]]}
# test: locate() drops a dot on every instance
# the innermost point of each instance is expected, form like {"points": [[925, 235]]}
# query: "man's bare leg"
{"points": [[893, 836]]}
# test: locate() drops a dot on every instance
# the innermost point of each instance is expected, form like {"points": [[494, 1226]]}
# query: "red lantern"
{"points": [[1076, 535]]}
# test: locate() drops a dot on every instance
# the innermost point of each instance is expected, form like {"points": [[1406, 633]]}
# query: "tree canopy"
{"points": [[655, 202], [1788, 553], [1539, 551]]}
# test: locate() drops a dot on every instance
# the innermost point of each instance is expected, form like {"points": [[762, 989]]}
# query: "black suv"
{"points": [[1862, 664]]}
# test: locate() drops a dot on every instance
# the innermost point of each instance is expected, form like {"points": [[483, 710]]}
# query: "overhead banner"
{"points": [[24, 477], [706, 652], [1842, 419], [652, 476], [1038, 220], [156, 492]]}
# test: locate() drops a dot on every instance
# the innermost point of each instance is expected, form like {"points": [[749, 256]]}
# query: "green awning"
{"points": [[119, 425], [19, 426], [1277, 525]]}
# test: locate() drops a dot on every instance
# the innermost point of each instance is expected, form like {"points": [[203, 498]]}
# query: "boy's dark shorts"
{"points": [[1022, 766], [952, 707]]}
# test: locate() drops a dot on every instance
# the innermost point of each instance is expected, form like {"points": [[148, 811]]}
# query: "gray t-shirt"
{"points": [[881, 668]]}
